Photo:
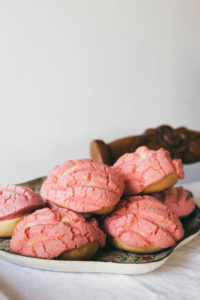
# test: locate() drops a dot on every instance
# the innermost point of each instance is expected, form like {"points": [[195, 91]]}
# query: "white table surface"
{"points": [[178, 278]]}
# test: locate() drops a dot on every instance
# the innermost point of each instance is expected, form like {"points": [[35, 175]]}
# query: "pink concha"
{"points": [[48, 233], [144, 167], [16, 201], [83, 185], [178, 200], [141, 221]]}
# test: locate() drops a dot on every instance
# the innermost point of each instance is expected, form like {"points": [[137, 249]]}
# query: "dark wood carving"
{"points": [[180, 142]]}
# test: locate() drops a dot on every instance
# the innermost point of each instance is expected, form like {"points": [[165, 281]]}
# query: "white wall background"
{"points": [[73, 71]]}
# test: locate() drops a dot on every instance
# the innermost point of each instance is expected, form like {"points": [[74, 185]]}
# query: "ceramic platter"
{"points": [[107, 260]]}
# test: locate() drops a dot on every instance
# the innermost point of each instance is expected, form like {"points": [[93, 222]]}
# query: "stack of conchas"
{"points": [[144, 220], [149, 223], [81, 186]]}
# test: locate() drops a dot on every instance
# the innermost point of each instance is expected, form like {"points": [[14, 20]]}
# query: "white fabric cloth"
{"points": [[177, 279]]}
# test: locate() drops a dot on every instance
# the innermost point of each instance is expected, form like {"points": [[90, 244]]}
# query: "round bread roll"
{"points": [[51, 233], [85, 186], [179, 200], [15, 203], [146, 171], [143, 224]]}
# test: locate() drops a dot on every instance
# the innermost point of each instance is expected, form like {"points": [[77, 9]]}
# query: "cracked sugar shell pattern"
{"points": [[108, 259]]}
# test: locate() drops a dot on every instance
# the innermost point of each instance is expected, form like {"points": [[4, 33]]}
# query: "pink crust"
{"points": [[52, 205], [141, 221], [16, 201], [48, 233], [178, 200], [83, 185], [145, 167]]}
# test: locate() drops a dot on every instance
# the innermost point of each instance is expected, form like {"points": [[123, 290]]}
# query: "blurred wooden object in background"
{"points": [[180, 142]]}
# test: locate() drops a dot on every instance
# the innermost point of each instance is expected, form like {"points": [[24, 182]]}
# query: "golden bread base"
{"points": [[121, 245], [84, 253], [104, 210], [162, 185], [7, 227]]}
